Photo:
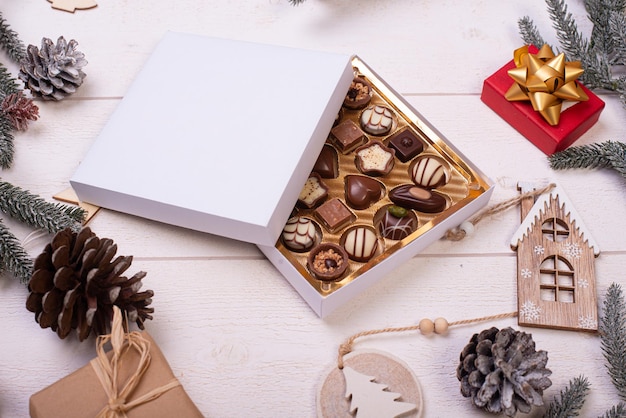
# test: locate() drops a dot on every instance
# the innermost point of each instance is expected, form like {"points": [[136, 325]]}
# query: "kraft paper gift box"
{"points": [[230, 152], [574, 121], [81, 395]]}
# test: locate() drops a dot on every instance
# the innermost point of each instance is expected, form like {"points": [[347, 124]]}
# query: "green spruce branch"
{"points": [[599, 53], [617, 411], [11, 42], [13, 256], [609, 154], [36, 212], [7, 147], [613, 337], [570, 400]]}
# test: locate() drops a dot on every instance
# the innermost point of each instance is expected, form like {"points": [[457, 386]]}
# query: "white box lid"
{"points": [[216, 135]]}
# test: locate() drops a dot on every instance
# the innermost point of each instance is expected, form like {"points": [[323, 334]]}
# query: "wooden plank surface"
{"points": [[240, 339]]}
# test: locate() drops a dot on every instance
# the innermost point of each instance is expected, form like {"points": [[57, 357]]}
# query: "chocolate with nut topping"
{"points": [[359, 94], [328, 261]]}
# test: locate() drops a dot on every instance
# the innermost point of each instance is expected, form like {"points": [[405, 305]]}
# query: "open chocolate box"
{"points": [[385, 186], [292, 150]]}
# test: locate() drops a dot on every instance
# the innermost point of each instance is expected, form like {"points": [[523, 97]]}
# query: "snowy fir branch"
{"points": [[613, 337], [13, 257], [609, 154], [570, 400], [10, 41], [36, 212], [617, 411], [604, 49]]}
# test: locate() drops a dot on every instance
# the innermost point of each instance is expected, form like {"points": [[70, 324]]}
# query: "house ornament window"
{"points": [[557, 280], [555, 229]]}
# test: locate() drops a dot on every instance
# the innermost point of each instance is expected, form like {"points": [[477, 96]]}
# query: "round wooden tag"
{"points": [[384, 369]]}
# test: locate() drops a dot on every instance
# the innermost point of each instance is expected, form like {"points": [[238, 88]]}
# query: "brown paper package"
{"points": [[80, 394]]}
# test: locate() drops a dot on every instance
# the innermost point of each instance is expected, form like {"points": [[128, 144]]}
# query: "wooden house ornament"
{"points": [[556, 286]]}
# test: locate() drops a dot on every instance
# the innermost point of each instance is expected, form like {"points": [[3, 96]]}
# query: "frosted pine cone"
{"points": [[75, 285], [502, 372], [55, 71]]}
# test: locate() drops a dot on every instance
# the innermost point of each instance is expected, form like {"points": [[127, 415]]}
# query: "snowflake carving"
{"points": [[583, 283], [587, 322], [539, 249], [572, 250], [530, 311], [526, 273]]}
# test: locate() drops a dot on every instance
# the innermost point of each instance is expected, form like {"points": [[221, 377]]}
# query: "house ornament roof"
{"points": [[537, 209]]}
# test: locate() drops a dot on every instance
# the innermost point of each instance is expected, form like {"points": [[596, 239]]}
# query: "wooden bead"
{"points": [[427, 326], [441, 326]]}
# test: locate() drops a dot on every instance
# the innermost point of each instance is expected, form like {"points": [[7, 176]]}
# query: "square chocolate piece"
{"points": [[406, 144], [347, 136], [334, 214]]}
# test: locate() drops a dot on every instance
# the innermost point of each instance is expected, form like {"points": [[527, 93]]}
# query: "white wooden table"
{"points": [[241, 340]]}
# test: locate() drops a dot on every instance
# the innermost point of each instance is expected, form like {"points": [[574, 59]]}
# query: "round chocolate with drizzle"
{"points": [[430, 172], [418, 198], [360, 242], [377, 120], [328, 262], [396, 222], [299, 234]]}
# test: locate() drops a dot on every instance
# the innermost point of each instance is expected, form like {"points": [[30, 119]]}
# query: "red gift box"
{"points": [[574, 121]]}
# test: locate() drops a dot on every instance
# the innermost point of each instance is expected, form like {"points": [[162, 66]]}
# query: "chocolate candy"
{"points": [[327, 165], [299, 234], [429, 172], [359, 94], [334, 214], [396, 223], [374, 159], [328, 261], [377, 120], [347, 136], [418, 198], [406, 144], [360, 242], [313, 192], [362, 192]]}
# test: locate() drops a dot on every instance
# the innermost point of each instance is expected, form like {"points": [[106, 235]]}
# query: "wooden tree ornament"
{"points": [[72, 5], [556, 285]]}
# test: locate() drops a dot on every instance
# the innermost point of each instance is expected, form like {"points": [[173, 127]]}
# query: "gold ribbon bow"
{"points": [[546, 80], [107, 369]]}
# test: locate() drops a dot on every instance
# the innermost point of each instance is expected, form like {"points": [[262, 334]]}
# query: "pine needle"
{"points": [[618, 411], [10, 41], [570, 400], [609, 154], [613, 337], [529, 32], [13, 257], [36, 212]]}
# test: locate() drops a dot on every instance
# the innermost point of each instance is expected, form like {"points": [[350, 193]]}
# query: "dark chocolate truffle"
{"points": [[406, 144], [418, 198], [396, 223]]}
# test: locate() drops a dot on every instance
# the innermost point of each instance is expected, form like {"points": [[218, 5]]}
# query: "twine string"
{"points": [[107, 369], [346, 347], [457, 234]]}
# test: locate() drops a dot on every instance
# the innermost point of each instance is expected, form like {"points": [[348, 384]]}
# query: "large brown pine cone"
{"points": [[75, 285], [502, 372], [54, 71]]}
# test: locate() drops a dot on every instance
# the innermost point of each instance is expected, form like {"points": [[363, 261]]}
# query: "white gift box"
{"points": [[227, 148]]}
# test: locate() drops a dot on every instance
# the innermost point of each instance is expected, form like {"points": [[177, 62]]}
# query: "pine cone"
{"points": [[55, 71], [502, 372], [19, 110], [75, 285]]}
